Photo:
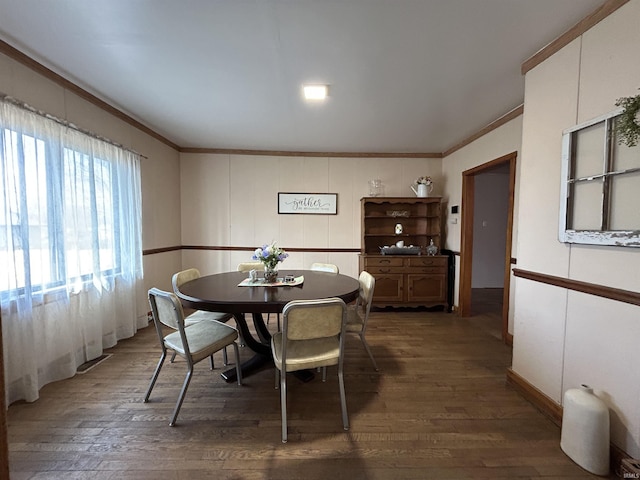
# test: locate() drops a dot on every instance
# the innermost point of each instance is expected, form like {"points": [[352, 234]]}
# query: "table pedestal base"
{"points": [[254, 364]]}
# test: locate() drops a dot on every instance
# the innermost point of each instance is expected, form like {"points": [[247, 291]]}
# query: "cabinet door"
{"points": [[429, 288], [388, 289]]}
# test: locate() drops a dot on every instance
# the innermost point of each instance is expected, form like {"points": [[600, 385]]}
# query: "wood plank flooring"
{"points": [[439, 408], [486, 308]]}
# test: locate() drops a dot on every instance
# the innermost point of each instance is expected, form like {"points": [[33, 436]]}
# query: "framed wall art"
{"points": [[308, 203]]}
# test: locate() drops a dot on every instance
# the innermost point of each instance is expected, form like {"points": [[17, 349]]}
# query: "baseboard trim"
{"points": [[553, 411], [539, 400], [509, 339]]}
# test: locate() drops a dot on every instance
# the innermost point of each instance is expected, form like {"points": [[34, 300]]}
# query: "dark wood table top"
{"points": [[220, 292]]}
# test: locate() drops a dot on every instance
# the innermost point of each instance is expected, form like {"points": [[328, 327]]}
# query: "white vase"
{"points": [[585, 430]]}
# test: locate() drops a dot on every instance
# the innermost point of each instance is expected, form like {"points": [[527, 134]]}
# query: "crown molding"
{"points": [[602, 12], [507, 117], [290, 153], [37, 67]]}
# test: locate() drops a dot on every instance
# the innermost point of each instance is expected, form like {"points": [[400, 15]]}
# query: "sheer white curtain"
{"points": [[70, 248]]}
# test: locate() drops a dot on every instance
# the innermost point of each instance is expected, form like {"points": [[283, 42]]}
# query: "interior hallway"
{"points": [[486, 310]]}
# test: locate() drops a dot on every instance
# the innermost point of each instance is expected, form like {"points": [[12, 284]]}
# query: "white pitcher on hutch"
{"points": [[424, 186]]}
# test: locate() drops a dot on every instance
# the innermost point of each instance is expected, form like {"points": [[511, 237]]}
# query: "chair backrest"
{"points": [[248, 266], [166, 309], [309, 319], [183, 277], [365, 294], [325, 267]]}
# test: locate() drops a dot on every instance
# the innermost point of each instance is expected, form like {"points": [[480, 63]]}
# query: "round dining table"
{"points": [[222, 292]]}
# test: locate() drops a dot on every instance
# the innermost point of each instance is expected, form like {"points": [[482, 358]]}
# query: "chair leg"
{"points": [[238, 369], [366, 347], [278, 326], [183, 392], [173, 357], [155, 375], [324, 374], [211, 363], [283, 404], [343, 399], [225, 360]]}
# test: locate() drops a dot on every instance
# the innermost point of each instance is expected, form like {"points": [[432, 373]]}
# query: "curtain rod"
{"points": [[25, 106]]}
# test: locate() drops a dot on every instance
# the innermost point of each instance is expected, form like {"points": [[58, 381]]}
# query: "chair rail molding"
{"points": [[626, 296]]}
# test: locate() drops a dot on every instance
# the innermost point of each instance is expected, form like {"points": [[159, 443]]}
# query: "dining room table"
{"points": [[238, 294]]}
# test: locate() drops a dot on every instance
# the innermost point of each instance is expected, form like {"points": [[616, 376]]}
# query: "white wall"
{"points": [[231, 200], [159, 171], [562, 338], [503, 140]]}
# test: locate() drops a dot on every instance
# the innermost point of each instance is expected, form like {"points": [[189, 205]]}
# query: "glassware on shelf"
{"points": [[432, 249], [376, 188]]}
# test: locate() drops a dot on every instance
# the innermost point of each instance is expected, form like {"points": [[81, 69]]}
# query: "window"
{"points": [[600, 184], [60, 222], [70, 247]]}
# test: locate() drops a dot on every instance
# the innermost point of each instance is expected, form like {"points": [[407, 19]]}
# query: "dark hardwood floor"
{"points": [[439, 408], [486, 307]]}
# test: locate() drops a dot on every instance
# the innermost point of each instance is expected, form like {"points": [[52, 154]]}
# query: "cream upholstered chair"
{"points": [[185, 276], [329, 268], [325, 267], [246, 267], [193, 343], [358, 313], [312, 336], [180, 279]]}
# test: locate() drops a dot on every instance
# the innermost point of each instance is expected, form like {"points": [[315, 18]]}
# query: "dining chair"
{"points": [[358, 313], [193, 343], [312, 336], [329, 268], [325, 267], [180, 279], [246, 267]]}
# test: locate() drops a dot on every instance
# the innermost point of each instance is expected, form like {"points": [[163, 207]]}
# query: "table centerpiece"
{"points": [[270, 255]]}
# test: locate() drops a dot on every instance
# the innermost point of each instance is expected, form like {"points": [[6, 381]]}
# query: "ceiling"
{"points": [[404, 76]]}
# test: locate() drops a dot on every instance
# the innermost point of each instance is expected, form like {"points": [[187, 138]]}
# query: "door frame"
{"points": [[466, 240]]}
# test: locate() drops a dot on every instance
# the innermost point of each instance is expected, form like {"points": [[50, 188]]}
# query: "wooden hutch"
{"points": [[404, 277]]}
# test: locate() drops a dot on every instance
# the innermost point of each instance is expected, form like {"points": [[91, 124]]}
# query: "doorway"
{"points": [[473, 182]]}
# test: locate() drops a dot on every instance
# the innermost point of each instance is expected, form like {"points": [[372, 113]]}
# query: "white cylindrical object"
{"points": [[585, 430]]}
